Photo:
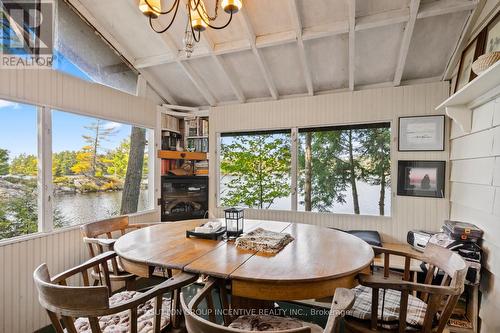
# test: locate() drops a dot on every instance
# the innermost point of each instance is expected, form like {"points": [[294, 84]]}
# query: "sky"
{"points": [[18, 123]]}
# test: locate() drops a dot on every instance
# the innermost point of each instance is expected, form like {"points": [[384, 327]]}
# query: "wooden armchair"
{"points": [[384, 302], [343, 300], [99, 238], [91, 309]]}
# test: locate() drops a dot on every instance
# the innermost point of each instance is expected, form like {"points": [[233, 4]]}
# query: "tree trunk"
{"points": [[96, 143], [381, 201], [308, 173], [352, 173], [132, 185]]}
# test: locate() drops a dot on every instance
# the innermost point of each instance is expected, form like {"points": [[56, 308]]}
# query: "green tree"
{"points": [[322, 182], [4, 161], [100, 131], [257, 169], [376, 153], [117, 160], [24, 165], [62, 163]]}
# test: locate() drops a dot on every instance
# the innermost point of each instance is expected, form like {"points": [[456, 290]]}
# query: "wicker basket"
{"points": [[485, 61]]}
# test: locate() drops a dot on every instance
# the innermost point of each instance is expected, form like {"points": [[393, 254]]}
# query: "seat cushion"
{"points": [[266, 323], [372, 237], [390, 318], [119, 322]]}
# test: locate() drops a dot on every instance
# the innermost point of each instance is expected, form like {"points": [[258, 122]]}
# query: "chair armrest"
{"points": [[97, 260], [383, 250], [107, 242], [343, 301], [401, 285]]}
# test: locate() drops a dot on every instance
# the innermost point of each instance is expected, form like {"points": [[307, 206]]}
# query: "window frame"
{"points": [[294, 167], [44, 175]]}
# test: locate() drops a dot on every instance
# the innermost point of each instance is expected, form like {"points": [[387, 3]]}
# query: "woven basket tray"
{"points": [[483, 62]]}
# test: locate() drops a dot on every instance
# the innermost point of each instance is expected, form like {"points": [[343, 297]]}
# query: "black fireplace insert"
{"points": [[184, 197]]}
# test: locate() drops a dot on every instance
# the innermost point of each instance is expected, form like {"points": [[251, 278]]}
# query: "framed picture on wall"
{"points": [[422, 133], [465, 69], [493, 36], [421, 178]]}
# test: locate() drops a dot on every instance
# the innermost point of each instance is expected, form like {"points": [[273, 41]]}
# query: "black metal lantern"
{"points": [[234, 221]]}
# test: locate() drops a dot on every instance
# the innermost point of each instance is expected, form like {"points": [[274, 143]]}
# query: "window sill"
{"points": [[35, 235]]}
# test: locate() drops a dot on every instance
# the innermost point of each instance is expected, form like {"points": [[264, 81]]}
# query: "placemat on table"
{"points": [[264, 240]]}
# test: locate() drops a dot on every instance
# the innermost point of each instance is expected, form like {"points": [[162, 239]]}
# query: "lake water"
{"points": [[78, 208], [368, 196]]}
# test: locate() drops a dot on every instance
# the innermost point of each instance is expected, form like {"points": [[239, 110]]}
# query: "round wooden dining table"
{"points": [[313, 265]]}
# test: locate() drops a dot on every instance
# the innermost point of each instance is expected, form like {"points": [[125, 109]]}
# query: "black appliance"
{"points": [[184, 197]]}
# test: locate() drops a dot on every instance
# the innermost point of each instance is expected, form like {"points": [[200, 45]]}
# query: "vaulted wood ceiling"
{"points": [[280, 48]]}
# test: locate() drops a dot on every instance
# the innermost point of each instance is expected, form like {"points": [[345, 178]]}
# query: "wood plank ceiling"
{"points": [[284, 48]]}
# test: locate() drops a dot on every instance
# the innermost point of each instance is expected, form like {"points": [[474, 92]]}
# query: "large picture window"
{"points": [[18, 169], [90, 161], [344, 169], [255, 170]]}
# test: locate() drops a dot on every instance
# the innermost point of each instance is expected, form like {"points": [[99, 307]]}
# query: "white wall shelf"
{"points": [[479, 91]]}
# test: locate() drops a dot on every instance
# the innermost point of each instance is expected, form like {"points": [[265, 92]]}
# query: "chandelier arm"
{"points": [[157, 12], [215, 27], [197, 40], [197, 8], [169, 25]]}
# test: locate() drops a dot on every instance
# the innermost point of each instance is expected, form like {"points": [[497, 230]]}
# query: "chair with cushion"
{"points": [[99, 237], [380, 298], [85, 309], [342, 301]]}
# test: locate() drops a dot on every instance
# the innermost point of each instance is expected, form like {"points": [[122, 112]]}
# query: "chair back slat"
{"points": [[158, 310], [55, 322], [403, 310], [69, 324], [407, 273], [374, 314], [94, 325], [133, 320]]}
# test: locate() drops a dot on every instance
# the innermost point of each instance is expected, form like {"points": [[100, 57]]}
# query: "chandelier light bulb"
{"points": [[231, 6], [197, 22], [150, 8]]}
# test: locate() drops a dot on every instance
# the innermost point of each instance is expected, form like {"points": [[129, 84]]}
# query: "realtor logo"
{"points": [[26, 33]]}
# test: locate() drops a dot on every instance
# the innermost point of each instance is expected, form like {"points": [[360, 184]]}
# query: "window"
{"points": [[345, 169], [90, 160], [255, 170], [18, 169], [80, 52]]}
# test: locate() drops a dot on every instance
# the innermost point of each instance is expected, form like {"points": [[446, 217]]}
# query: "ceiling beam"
{"points": [[302, 51], [352, 33], [319, 31], [108, 38], [245, 20], [405, 43], [442, 7]]}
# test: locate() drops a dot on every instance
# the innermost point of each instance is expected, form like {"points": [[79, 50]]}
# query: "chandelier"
{"points": [[198, 17]]}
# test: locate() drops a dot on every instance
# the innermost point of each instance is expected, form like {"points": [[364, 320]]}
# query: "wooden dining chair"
{"points": [[93, 309], [343, 300], [385, 302], [100, 236]]}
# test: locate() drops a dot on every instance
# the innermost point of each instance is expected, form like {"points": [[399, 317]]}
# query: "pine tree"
{"points": [[4, 161], [99, 131]]}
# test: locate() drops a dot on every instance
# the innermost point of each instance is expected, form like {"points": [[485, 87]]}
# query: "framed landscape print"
{"points": [[421, 178], [465, 68], [493, 36], [422, 133]]}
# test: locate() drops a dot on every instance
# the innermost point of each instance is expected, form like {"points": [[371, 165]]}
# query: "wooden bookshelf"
{"points": [[182, 155]]}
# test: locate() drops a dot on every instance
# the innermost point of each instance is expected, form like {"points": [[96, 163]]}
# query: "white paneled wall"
{"points": [[20, 311], [475, 196], [375, 105]]}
